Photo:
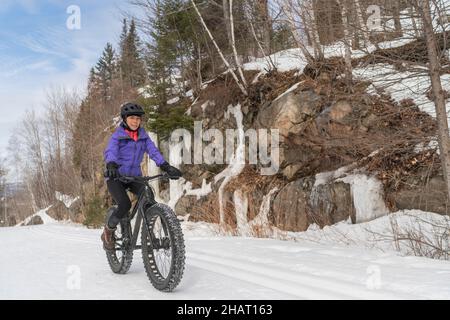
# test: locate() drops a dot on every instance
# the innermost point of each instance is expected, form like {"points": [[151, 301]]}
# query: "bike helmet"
{"points": [[131, 109]]}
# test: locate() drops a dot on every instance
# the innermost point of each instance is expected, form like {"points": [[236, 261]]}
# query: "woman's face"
{"points": [[133, 122]]}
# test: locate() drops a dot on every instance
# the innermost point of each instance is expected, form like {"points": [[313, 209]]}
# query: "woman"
{"points": [[123, 156]]}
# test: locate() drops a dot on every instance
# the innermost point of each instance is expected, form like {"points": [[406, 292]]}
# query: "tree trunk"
{"points": [[396, 15], [233, 46], [288, 11], [348, 52], [239, 84], [226, 16], [413, 20], [362, 25], [439, 99], [263, 7], [263, 52], [310, 18]]}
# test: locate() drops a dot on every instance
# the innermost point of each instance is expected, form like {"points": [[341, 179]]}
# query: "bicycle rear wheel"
{"points": [[163, 248], [121, 258]]}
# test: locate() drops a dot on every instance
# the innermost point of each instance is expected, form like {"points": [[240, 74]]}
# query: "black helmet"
{"points": [[131, 109]]}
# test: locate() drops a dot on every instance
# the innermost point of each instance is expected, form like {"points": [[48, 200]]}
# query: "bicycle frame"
{"points": [[145, 199]]}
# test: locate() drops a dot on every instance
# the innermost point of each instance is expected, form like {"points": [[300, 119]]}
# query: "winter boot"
{"points": [[109, 241]]}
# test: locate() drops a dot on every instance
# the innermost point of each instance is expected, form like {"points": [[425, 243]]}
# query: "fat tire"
{"points": [[176, 270]]}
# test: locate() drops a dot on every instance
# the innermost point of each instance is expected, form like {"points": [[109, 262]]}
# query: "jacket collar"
{"points": [[124, 135]]}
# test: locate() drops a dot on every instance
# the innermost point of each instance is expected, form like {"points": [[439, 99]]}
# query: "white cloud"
{"points": [[30, 6], [56, 57], [41, 66]]}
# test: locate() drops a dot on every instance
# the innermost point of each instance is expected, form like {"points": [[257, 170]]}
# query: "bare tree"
{"points": [[362, 24], [434, 67], [264, 53], [239, 84], [233, 46], [289, 11], [348, 53]]}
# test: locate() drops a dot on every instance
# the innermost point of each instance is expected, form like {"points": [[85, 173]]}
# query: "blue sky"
{"points": [[38, 51]]}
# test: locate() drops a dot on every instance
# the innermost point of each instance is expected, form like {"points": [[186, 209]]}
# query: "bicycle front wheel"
{"points": [[163, 248]]}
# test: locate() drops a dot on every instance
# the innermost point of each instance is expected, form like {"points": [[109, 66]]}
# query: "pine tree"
{"points": [[132, 65], [171, 48], [106, 70], [92, 81], [124, 33]]}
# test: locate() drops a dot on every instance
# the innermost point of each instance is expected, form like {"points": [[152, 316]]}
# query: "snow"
{"points": [[432, 145], [402, 85], [241, 208], [367, 191], [204, 190], [286, 60], [176, 187], [295, 86], [255, 80], [293, 59], [66, 199], [314, 266], [46, 219], [145, 92], [261, 221], [367, 194], [379, 234], [116, 121], [237, 161], [189, 93], [326, 177], [173, 100], [153, 169], [205, 105]]}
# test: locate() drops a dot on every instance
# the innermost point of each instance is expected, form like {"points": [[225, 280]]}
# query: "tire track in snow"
{"points": [[264, 280], [60, 235], [303, 285], [358, 289], [335, 288]]}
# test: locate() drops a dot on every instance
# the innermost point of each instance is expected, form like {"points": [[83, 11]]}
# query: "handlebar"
{"points": [[143, 180]]}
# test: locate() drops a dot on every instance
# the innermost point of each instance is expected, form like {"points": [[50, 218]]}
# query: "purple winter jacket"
{"points": [[128, 154]]}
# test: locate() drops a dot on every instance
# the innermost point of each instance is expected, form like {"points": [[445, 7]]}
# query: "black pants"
{"points": [[119, 194]]}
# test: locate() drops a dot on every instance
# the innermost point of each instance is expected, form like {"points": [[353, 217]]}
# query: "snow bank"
{"points": [[402, 85], [367, 193], [286, 60], [66, 199], [46, 219], [383, 234]]}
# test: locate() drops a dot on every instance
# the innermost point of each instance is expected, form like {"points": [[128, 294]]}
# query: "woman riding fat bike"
{"points": [[123, 157]]}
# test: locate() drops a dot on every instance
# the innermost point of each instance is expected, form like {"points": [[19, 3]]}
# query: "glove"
{"points": [[112, 170], [173, 172]]}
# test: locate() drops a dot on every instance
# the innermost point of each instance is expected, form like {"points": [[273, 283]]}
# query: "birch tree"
{"points": [[219, 51], [233, 46]]}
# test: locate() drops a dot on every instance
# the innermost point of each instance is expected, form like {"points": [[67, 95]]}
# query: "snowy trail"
{"points": [[41, 262]]}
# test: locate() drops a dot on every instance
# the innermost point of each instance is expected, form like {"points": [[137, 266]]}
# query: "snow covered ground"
{"points": [[66, 261]]}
